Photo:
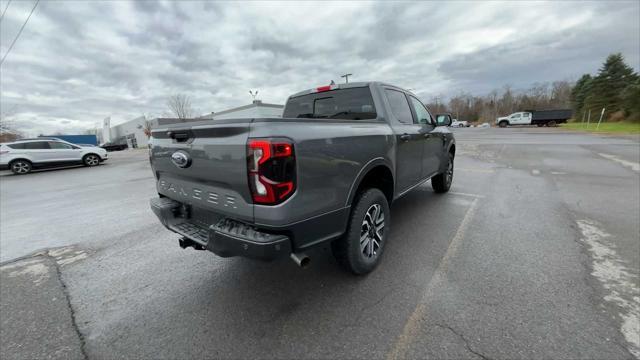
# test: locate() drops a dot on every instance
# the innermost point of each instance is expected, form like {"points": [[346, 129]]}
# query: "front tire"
{"points": [[361, 247], [441, 183], [91, 160], [503, 124], [21, 167]]}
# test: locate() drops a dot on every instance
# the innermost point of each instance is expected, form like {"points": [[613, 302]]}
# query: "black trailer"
{"points": [[550, 117]]}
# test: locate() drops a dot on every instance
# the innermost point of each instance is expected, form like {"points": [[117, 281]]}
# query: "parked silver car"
{"points": [[22, 156]]}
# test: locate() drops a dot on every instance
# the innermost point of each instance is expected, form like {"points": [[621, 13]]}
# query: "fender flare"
{"points": [[91, 153], [444, 157], [379, 161], [451, 144]]}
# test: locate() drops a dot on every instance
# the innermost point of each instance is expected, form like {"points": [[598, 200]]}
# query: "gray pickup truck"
{"points": [[326, 171]]}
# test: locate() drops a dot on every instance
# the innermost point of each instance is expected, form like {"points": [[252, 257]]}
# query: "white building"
{"points": [[133, 131], [257, 109]]}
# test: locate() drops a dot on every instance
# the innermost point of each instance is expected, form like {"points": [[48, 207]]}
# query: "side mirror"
{"points": [[443, 120]]}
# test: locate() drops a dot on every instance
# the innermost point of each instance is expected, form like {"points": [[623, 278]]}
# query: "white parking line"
{"points": [[412, 327], [618, 280], [629, 164], [467, 194]]}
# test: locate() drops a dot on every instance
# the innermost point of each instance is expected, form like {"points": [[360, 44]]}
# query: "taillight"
{"points": [[271, 165]]}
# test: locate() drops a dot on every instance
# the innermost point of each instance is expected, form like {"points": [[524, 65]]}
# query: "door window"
{"points": [[422, 114], [525, 115], [37, 145], [59, 145], [399, 106], [516, 116]]}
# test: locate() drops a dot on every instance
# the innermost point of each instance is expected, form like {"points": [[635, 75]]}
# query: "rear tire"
{"points": [[20, 167], [540, 125], [91, 160], [441, 183], [551, 123], [503, 124], [359, 250]]}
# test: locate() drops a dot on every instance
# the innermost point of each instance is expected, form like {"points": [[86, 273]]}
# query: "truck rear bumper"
{"points": [[226, 237]]}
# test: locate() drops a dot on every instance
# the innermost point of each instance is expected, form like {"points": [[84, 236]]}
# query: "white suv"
{"points": [[22, 156]]}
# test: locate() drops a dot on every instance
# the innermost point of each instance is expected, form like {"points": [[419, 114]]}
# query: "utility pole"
{"points": [[253, 94], [346, 78]]}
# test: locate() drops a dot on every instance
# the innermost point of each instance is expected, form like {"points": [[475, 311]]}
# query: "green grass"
{"points": [[605, 128]]}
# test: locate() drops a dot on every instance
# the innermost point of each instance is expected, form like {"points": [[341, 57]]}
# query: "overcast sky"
{"points": [[78, 62]]}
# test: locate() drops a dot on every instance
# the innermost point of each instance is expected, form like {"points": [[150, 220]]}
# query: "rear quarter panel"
{"points": [[329, 156], [13, 154]]}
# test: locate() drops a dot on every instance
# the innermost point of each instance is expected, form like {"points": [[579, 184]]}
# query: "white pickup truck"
{"points": [[459, 123], [539, 118]]}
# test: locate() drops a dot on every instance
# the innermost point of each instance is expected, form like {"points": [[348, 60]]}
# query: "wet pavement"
{"points": [[535, 253]]}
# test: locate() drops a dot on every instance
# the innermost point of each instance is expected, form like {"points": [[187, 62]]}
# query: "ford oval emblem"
{"points": [[181, 159]]}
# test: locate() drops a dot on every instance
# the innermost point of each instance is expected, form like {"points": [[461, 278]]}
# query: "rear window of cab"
{"points": [[346, 104]]}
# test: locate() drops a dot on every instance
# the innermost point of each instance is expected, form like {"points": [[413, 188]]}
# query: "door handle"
{"points": [[405, 137]]}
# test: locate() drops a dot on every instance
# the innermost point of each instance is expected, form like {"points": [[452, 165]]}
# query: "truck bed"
{"points": [[548, 115]]}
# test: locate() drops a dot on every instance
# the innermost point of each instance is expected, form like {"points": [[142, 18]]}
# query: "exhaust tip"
{"points": [[305, 262], [301, 259]]}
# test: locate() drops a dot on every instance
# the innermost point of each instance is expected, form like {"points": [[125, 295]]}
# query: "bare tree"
{"points": [[538, 96], [8, 129], [180, 106], [146, 128]]}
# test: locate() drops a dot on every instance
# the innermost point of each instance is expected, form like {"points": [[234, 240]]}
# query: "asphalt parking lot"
{"points": [[535, 253]]}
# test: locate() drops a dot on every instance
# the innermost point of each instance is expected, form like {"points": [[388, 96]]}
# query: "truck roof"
{"points": [[350, 85]]}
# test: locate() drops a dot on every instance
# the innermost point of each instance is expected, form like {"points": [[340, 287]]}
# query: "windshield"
{"points": [[348, 104]]}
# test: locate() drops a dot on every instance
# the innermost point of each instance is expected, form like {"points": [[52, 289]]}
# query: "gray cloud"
{"points": [[78, 62], [557, 54]]}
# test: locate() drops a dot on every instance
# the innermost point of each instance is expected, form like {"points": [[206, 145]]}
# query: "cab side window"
{"points": [[422, 114], [516, 116], [399, 106], [59, 145]]}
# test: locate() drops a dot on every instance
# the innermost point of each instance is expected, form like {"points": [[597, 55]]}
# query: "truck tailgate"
{"points": [[204, 165]]}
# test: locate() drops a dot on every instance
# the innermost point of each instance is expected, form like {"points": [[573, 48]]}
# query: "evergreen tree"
{"points": [[579, 93], [607, 87], [631, 100]]}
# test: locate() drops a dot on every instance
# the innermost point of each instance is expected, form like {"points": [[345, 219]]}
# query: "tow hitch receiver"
{"points": [[185, 243]]}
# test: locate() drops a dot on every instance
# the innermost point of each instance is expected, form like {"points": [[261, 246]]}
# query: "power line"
{"points": [[5, 10], [19, 32]]}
